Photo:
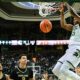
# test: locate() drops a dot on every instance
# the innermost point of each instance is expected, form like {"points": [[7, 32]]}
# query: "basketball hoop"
{"points": [[43, 11], [47, 9]]}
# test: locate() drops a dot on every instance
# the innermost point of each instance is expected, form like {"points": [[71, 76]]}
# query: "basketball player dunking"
{"points": [[2, 75], [67, 63], [21, 72]]}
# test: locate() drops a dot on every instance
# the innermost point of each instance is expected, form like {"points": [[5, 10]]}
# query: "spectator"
{"points": [[21, 72], [2, 75]]}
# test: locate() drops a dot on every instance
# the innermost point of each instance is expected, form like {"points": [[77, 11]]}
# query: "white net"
{"points": [[47, 8]]}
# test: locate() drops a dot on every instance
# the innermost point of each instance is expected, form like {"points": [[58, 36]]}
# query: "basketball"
{"points": [[45, 26]]}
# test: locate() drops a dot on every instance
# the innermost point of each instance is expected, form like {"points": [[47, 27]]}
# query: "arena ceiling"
{"points": [[27, 11]]}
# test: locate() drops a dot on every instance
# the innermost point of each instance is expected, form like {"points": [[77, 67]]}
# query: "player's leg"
{"points": [[72, 60], [67, 71], [56, 68], [56, 71]]}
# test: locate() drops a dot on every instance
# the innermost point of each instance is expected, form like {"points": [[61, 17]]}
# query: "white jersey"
{"points": [[75, 36]]}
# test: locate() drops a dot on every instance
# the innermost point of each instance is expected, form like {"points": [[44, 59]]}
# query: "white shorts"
{"points": [[72, 55]]}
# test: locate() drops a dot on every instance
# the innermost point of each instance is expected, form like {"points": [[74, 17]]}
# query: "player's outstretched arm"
{"points": [[73, 12], [62, 21]]}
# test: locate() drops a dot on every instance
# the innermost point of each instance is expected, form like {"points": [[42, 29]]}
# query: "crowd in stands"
{"points": [[44, 63]]}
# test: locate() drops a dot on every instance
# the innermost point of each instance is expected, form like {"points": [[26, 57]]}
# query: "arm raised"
{"points": [[63, 21]]}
